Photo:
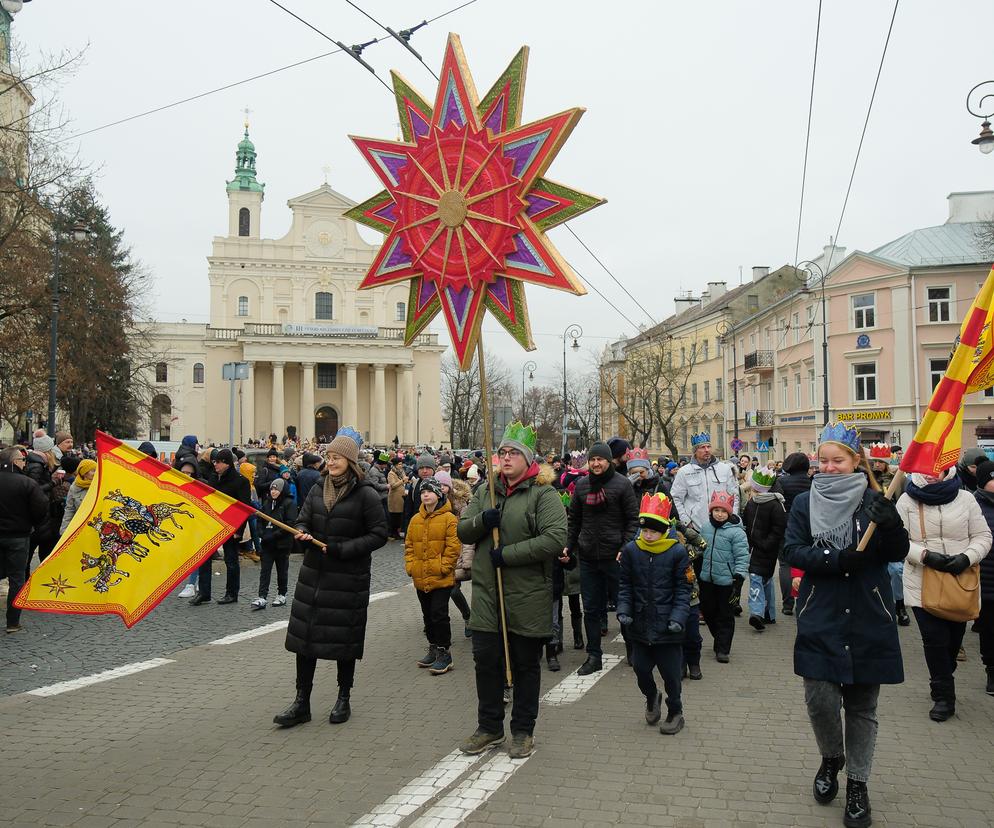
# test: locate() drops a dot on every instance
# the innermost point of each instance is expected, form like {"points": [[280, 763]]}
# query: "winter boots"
{"points": [[297, 713], [944, 696], [443, 661], [826, 784], [341, 712], [578, 639], [902, 614], [990, 681], [591, 665], [857, 813], [551, 657], [430, 656], [653, 708]]}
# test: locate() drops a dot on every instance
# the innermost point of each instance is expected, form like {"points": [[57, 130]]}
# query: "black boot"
{"points": [[857, 813], [902, 614], [826, 784], [297, 713], [341, 711], [591, 665], [550, 658], [944, 696], [990, 681], [628, 653], [578, 638]]}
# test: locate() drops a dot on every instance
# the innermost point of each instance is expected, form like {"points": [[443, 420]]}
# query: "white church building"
{"points": [[320, 354]]}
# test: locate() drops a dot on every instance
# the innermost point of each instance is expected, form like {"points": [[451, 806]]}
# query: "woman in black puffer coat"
{"points": [[328, 615], [795, 480]]}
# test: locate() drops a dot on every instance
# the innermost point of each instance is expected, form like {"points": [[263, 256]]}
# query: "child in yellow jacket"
{"points": [[431, 549]]}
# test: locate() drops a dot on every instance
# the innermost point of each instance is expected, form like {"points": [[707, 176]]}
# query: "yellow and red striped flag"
{"points": [[140, 530], [939, 439]]}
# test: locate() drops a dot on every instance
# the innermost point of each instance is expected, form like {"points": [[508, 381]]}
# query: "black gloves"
{"points": [[497, 556], [935, 560], [851, 561], [674, 627], [953, 564], [491, 518], [736, 598], [883, 512], [957, 564], [624, 620]]}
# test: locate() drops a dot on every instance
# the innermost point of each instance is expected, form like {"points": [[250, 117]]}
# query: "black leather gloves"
{"points": [[491, 518], [883, 512], [953, 564]]}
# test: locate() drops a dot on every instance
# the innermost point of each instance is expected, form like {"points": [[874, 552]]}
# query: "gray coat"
{"points": [[73, 501]]}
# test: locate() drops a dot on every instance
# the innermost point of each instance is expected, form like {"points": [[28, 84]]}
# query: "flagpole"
{"points": [[293, 530], [488, 452], [896, 485]]}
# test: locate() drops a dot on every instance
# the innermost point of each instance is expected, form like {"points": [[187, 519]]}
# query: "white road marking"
{"points": [[618, 639], [571, 688], [419, 791], [482, 783], [96, 678], [234, 638]]}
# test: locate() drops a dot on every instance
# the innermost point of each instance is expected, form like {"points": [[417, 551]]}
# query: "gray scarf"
{"points": [[834, 500], [765, 497]]}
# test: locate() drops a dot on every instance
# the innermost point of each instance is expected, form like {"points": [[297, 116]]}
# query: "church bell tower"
{"points": [[245, 193]]}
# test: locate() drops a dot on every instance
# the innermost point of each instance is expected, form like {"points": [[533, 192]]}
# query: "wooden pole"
{"points": [[293, 530], [488, 451], [894, 489]]}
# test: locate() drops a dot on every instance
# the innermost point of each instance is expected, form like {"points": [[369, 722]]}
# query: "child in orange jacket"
{"points": [[431, 549]]}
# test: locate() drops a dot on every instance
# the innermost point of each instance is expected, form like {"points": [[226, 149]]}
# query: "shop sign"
{"points": [[867, 416]]}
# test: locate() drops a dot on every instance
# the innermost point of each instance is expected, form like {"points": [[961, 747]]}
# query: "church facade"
{"points": [[317, 352]]}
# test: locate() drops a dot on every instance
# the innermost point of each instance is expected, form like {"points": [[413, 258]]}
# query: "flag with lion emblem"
{"points": [[141, 529]]}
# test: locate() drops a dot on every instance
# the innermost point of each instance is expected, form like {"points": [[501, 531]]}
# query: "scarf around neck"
{"points": [[596, 496], [834, 500], [336, 487], [934, 494], [766, 497], [657, 546]]}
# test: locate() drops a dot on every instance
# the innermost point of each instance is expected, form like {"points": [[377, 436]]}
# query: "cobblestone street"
{"points": [[190, 742]]}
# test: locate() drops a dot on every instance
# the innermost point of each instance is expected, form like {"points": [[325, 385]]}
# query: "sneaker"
{"points": [[259, 603], [481, 741], [443, 662], [188, 591], [961, 655], [672, 725], [13, 628], [826, 784], [857, 812], [429, 658], [279, 601], [522, 745], [757, 623], [653, 708]]}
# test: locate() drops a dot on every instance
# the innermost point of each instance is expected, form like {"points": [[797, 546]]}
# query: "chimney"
{"points": [[759, 272], [716, 289], [975, 206], [685, 300], [705, 298]]}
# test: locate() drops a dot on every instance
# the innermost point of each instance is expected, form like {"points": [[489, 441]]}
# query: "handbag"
{"points": [[948, 596]]}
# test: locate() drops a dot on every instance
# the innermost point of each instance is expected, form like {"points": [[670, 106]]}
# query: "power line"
{"points": [[402, 37], [807, 136], [594, 288], [450, 11]]}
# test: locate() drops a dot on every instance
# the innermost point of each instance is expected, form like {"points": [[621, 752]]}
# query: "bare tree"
{"points": [[462, 402]]}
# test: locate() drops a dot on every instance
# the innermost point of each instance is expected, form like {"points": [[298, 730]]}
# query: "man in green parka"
{"points": [[531, 523]]}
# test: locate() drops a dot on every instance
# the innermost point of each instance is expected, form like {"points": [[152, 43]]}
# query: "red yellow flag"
{"points": [[939, 439], [141, 529]]}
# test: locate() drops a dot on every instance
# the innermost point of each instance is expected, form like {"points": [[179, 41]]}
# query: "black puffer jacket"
{"points": [[791, 485], [283, 509], [23, 505], [598, 531], [328, 615], [765, 524], [653, 590], [234, 485], [986, 501]]}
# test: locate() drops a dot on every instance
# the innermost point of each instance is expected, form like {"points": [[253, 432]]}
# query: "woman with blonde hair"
{"points": [[847, 643]]}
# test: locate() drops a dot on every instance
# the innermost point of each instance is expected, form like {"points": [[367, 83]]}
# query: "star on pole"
{"points": [[466, 206]]}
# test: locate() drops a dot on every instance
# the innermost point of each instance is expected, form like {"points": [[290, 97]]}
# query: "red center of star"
{"points": [[457, 203]]}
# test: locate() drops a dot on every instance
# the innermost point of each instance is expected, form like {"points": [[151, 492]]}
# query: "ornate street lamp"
{"points": [[806, 271], [982, 107], [530, 367], [573, 332], [727, 336]]}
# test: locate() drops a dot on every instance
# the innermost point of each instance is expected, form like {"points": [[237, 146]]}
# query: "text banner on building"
{"points": [[141, 529]]}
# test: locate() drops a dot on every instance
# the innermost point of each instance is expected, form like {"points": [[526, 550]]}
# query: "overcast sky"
{"points": [[694, 130]]}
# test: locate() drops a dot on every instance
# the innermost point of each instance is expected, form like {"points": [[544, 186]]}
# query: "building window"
{"points": [[783, 388], [704, 351], [811, 319], [243, 306], [327, 375], [938, 303], [693, 353], [797, 390], [717, 346], [400, 312], [989, 393], [865, 381], [811, 386], [936, 370], [718, 390], [864, 311], [683, 356], [161, 372], [752, 302], [693, 393], [797, 327], [244, 221], [324, 305], [198, 373], [707, 390]]}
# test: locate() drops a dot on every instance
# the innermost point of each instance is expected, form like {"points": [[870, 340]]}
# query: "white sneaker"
{"points": [[188, 591], [279, 601], [258, 604]]}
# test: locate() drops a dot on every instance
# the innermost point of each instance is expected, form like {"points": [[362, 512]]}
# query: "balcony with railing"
{"points": [[759, 362], [255, 330], [759, 419]]}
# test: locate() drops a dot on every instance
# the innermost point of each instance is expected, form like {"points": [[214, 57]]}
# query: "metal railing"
{"points": [[759, 361], [273, 329], [759, 419]]}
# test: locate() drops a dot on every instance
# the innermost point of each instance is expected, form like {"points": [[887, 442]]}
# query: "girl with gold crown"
{"points": [[847, 643]]}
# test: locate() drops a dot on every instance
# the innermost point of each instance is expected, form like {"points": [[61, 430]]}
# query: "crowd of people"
{"points": [[663, 545]]}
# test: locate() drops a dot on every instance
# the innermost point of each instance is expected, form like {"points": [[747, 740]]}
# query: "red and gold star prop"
{"points": [[465, 207]]}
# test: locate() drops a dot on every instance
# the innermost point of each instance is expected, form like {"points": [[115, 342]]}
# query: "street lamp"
{"points": [[78, 233], [984, 101], [728, 335], [417, 420], [530, 367], [809, 269], [573, 332]]}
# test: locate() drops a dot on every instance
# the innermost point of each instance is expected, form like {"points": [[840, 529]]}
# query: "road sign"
{"points": [[763, 447], [737, 445]]}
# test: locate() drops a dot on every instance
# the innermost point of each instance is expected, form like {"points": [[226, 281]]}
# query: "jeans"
{"points": [[598, 582], [526, 670], [896, 571], [231, 565], [460, 601], [941, 640], [762, 597], [305, 674], [825, 701], [668, 659], [14, 556], [254, 532], [985, 626], [435, 611], [718, 614], [271, 555], [575, 617], [786, 587], [692, 641]]}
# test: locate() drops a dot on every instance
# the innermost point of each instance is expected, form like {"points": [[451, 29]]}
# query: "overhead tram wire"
{"points": [[403, 37], [807, 136]]}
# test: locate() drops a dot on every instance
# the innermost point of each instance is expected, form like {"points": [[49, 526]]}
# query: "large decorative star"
{"points": [[58, 585], [465, 207]]}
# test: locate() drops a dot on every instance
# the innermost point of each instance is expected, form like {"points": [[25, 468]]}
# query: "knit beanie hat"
{"points": [[272, 452], [224, 456], [149, 449], [190, 440], [602, 450], [284, 469], [427, 461], [309, 458], [762, 480], [43, 443], [619, 447], [277, 484], [346, 444], [985, 472], [70, 463], [473, 474], [444, 478], [247, 470], [61, 436], [432, 484]]}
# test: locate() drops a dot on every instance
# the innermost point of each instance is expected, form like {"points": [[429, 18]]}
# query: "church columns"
{"points": [[405, 404], [306, 400], [248, 405], [350, 416], [278, 424], [378, 426]]}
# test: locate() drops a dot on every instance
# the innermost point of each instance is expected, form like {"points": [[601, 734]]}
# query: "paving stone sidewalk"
{"points": [[191, 743]]}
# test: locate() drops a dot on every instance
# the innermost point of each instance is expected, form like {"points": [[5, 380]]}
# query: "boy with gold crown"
{"points": [[653, 603]]}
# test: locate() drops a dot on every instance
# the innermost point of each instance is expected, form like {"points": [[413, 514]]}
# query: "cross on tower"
{"points": [[326, 169], [247, 112]]}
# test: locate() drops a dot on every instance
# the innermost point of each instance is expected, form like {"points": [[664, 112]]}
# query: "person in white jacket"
{"points": [[948, 533], [699, 479]]}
